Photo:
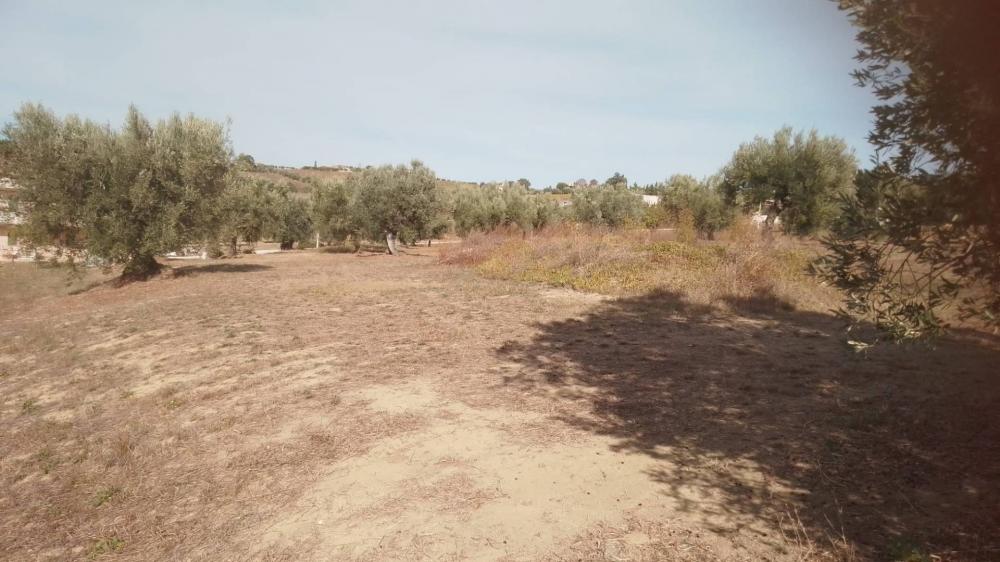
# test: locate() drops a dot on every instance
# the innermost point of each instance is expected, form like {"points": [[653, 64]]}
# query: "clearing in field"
{"points": [[310, 406]]}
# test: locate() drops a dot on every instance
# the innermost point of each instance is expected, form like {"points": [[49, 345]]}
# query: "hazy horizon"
{"points": [[479, 91]]}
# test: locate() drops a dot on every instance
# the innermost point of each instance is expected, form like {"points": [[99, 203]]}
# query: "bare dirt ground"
{"points": [[309, 406]]}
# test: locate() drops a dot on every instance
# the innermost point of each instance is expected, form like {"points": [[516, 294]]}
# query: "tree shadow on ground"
{"points": [[193, 270], [897, 446], [90, 285]]}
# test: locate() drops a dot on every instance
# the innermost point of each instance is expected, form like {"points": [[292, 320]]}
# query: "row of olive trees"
{"points": [[611, 205], [391, 203], [387, 203], [492, 206], [126, 195], [801, 178], [400, 203], [252, 209]]}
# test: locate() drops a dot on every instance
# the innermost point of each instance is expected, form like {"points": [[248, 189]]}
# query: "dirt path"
{"points": [[335, 407]]}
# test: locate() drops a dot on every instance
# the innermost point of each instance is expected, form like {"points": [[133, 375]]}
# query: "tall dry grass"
{"points": [[743, 267]]}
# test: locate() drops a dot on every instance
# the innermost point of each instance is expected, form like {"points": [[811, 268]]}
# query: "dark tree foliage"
{"points": [[923, 233], [617, 180], [245, 162]]}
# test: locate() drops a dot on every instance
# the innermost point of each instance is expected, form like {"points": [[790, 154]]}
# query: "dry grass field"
{"points": [[743, 269], [315, 406]]}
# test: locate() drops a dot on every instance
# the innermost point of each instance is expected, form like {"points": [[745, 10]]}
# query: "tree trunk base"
{"points": [[139, 269], [390, 241]]}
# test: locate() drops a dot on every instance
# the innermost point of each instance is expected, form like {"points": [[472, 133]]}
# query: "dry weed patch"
{"points": [[743, 269]]}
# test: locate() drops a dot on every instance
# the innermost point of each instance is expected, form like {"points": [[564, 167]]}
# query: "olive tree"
{"points": [[800, 177], [926, 234], [469, 211], [245, 162], [547, 212], [333, 211], [490, 206], [394, 200], [124, 195], [293, 220], [702, 199], [607, 206], [247, 209]]}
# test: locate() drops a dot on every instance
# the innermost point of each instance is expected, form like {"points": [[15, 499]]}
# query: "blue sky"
{"points": [[478, 90]]}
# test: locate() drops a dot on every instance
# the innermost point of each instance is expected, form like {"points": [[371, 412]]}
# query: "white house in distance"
{"points": [[8, 220], [651, 200]]}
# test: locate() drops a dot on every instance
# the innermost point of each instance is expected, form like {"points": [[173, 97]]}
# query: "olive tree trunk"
{"points": [[390, 241], [139, 268]]}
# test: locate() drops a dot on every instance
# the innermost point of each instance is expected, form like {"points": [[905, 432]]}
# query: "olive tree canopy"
{"points": [[925, 232], [391, 201], [800, 176], [608, 206], [709, 211], [124, 195]]}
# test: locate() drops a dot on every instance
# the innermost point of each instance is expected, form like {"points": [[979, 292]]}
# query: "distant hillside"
{"points": [[297, 179]]}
